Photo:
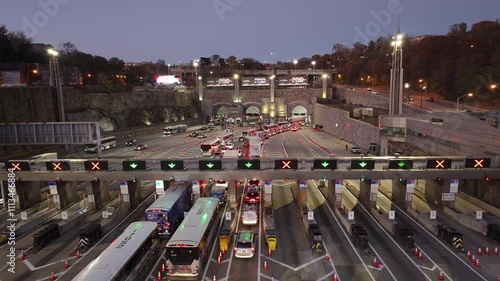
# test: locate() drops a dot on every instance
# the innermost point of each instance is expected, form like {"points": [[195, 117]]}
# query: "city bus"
{"points": [[129, 257], [271, 129], [189, 247], [168, 210], [106, 143], [174, 129], [210, 148]]}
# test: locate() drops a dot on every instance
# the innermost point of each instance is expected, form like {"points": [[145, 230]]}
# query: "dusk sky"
{"points": [[179, 31]]}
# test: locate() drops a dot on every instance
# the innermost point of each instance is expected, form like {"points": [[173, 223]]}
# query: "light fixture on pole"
{"points": [[195, 64], [324, 90], [55, 81], [295, 63], [396, 82], [466, 95], [407, 86]]}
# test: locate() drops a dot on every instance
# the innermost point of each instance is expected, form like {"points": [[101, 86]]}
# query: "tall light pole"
{"points": [[195, 64], [55, 82], [236, 88], [425, 89], [396, 85], [466, 95], [407, 86], [324, 76], [295, 63]]}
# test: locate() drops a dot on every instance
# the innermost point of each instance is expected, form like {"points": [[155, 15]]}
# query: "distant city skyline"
{"points": [[270, 31]]}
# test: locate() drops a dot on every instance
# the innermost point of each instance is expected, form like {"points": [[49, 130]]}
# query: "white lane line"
{"points": [[383, 262]]}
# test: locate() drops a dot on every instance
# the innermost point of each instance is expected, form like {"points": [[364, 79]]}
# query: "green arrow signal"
{"points": [[171, 165], [325, 164], [133, 165], [363, 164], [210, 165], [249, 164], [401, 164]]}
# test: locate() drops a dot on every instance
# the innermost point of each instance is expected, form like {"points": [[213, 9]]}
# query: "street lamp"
{"points": [[55, 82], [324, 76], [466, 95], [407, 85], [295, 63], [425, 89], [313, 64], [34, 71], [195, 64]]}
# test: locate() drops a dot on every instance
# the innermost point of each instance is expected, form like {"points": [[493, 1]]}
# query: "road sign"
{"points": [[362, 164], [374, 186], [138, 165], [432, 215], [228, 216], [392, 215], [410, 186], [172, 165], [477, 163], [96, 165], [438, 163], [448, 197], [58, 166], [196, 187], [123, 187], [250, 164], [339, 184], [286, 164], [268, 186], [325, 164], [310, 215], [18, 166], [24, 216], [401, 164], [479, 215], [64, 215], [454, 185], [53, 187], [210, 165], [160, 187], [350, 215]]}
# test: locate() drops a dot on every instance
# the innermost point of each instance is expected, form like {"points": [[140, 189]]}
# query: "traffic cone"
{"points": [[416, 252], [22, 257], [468, 254], [265, 265], [335, 277], [269, 253], [441, 276], [420, 257], [158, 277], [479, 252], [473, 259], [78, 254], [487, 251], [163, 267], [52, 276], [495, 252], [477, 264], [327, 257], [375, 263], [214, 279], [66, 265], [218, 260]]}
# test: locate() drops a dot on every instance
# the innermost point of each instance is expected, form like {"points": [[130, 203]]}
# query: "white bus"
{"points": [[127, 257], [174, 129], [188, 249], [106, 143], [209, 149]]}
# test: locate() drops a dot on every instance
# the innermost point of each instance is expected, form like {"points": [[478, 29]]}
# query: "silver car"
{"points": [[245, 244]]}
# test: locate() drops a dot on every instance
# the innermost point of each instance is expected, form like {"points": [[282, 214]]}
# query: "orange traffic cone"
{"points": [[441, 276], [327, 257], [487, 251], [495, 252], [473, 259], [66, 265], [78, 254], [163, 267], [420, 257], [218, 260], [375, 263], [269, 253], [52, 276], [468, 254], [22, 257], [477, 264], [158, 277], [265, 265], [335, 277], [416, 252], [479, 252]]}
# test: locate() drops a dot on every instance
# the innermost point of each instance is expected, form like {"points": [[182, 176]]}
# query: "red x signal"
{"points": [[286, 164], [95, 166], [16, 166], [440, 164], [478, 163], [56, 166]]}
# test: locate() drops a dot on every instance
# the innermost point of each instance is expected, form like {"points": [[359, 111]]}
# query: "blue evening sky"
{"points": [[182, 30]]}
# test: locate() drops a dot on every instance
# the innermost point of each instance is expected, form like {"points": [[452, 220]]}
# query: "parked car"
{"points": [[140, 147], [430, 99], [131, 143], [408, 99], [202, 136], [194, 134], [356, 150], [375, 93]]}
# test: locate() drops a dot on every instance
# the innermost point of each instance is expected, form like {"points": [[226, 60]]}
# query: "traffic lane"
{"points": [[336, 146], [310, 148], [449, 259], [245, 268], [294, 146], [397, 261], [346, 258], [273, 148]]}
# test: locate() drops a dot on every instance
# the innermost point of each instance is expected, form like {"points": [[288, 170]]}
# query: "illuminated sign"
{"points": [[438, 163], [134, 165], [286, 164], [325, 164], [253, 164], [168, 79], [477, 163], [210, 165], [57, 166], [96, 165], [401, 164], [362, 164], [220, 82], [18, 166], [255, 81], [174, 165], [292, 81]]}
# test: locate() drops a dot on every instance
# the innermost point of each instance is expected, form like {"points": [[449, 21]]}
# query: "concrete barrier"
{"points": [[383, 218], [343, 220], [424, 219], [74, 221], [35, 221], [483, 205], [468, 221]]}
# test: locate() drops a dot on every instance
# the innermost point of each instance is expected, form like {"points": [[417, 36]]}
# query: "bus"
{"points": [[127, 258], [106, 143], [227, 137], [168, 210], [167, 131], [189, 247], [219, 192], [284, 126], [271, 129], [210, 148]]}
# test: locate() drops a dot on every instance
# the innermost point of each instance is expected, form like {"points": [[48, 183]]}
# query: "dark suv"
{"points": [[252, 195]]}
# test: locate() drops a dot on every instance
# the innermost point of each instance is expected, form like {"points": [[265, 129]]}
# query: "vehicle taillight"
{"points": [[253, 249], [235, 249]]}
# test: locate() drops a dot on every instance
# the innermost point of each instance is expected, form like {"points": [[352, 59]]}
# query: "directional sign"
{"points": [[477, 163], [286, 164], [361, 164], [438, 163], [401, 164], [138, 165], [57, 166], [18, 166], [251, 164], [96, 165], [210, 165], [172, 165], [325, 164]]}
